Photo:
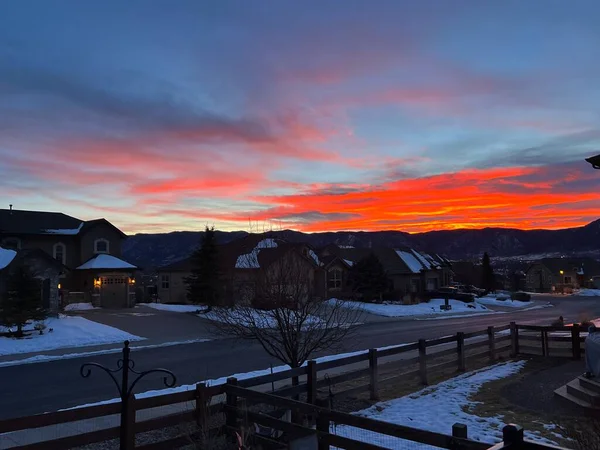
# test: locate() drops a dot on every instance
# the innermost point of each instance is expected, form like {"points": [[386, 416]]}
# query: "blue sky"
{"points": [[328, 115]]}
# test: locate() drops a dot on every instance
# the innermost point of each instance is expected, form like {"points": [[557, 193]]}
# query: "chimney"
{"points": [[10, 208]]}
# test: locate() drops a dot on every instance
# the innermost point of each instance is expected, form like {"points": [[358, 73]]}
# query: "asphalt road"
{"points": [[36, 388]]}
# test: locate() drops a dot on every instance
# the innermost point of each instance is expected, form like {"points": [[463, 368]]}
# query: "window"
{"points": [[568, 280], [101, 246], [334, 280], [432, 284], [59, 251], [415, 284], [164, 281], [12, 243]]}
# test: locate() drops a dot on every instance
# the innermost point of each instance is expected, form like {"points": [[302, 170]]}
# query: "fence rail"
{"points": [[366, 372]]}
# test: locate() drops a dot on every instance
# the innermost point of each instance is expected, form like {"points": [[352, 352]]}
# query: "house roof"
{"points": [[14, 221], [6, 257], [103, 261], [589, 265]]}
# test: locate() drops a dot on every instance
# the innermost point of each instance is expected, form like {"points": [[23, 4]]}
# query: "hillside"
{"points": [[153, 250]]}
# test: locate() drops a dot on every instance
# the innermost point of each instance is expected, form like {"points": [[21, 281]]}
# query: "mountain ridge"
{"points": [[151, 250]]}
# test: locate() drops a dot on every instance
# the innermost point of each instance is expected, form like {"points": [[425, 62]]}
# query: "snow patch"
{"points": [[65, 231], [80, 307], [350, 263], [68, 331], [174, 308], [250, 260], [585, 292], [315, 258], [258, 318], [410, 260], [6, 257], [103, 261], [389, 309], [436, 408], [495, 301]]}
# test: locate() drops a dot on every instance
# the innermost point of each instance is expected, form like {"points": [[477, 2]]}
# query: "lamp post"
{"points": [[126, 365], [594, 161]]}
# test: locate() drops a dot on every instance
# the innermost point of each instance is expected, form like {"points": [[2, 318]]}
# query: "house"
{"points": [[42, 266], [89, 250], [561, 274], [411, 273], [245, 264]]}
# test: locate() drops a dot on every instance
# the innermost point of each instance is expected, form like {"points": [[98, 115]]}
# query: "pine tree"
{"points": [[488, 278], [22, 301], [203, 285], [368, 277]]}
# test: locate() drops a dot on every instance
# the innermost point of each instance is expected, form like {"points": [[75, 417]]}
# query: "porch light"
{"points": [[58, 286], [132, 281], [562, 272], [97, 282]]}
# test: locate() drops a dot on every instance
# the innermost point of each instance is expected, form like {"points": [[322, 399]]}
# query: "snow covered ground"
{"points": [[508, 303], [388, 309], [262, 319], [588, 293], [437, 407], [174, 308], [80, 307], [66, 332]]}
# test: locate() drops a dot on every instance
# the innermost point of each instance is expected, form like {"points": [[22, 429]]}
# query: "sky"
{"points": [[312, 115]]}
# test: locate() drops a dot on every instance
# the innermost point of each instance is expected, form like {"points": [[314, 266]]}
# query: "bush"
{"points": [[520, 296]]}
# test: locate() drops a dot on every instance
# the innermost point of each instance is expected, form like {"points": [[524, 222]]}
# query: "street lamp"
{"points": [[594, 161]]}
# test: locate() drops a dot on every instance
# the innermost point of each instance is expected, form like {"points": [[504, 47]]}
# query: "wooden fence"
{"points": [[369, 371]]}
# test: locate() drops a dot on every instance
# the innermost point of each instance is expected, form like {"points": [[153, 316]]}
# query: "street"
{"points": [[36, 388]]}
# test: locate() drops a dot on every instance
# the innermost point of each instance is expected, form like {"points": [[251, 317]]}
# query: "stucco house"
{"points": [[412, 273], [244, 265], [89, 250], [561, 275]]}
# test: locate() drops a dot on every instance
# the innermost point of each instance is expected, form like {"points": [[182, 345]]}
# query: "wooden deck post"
{"points": [[423, 361], [231, 403], [513, 434], [322, 424], [201, 413], [459, 430], [514, 339], [575, 344], [492, 343], [130, 437], [460, 351], [311, 382], [373, 374]]}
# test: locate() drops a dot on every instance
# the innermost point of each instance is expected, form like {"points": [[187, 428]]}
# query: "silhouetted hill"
{"points": [[153, 250]]}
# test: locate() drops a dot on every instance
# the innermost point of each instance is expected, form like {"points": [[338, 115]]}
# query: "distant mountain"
{"points": [[153, 250]]}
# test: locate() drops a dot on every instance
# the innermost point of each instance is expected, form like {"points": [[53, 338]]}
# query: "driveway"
{"points": [[155, 325]]}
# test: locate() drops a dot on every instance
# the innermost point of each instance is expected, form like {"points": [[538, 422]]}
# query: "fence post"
{"points": [[460, 350], [201, 413], [544, 346], [231, 403], [459, 430], [129, 433], [423, 361], [514, 339], [322, 424], [512, 434], [492, 343], [311, 382], [373, 374], [575, 341]]}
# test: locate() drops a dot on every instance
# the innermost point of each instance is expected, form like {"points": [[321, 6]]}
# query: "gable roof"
{"points": [[14, 221], [103, 261]]}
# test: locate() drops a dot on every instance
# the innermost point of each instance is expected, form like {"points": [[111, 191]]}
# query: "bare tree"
{"points": [[288, 318]]}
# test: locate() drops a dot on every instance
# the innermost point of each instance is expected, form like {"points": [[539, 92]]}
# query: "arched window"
{"points": [[59, 251], [101, 246]]}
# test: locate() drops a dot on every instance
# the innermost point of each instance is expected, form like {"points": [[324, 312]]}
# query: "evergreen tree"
{"points": [[488, 278], [368, 277], [22, 301], [203, 285]]}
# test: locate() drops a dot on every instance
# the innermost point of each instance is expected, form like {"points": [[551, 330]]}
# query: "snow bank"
{"points": [[67, 332], [262, 319], [6, 257], [420, 309], [508, 303], [174, 308], [436, 408], [588, 293], [80, 307]]}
